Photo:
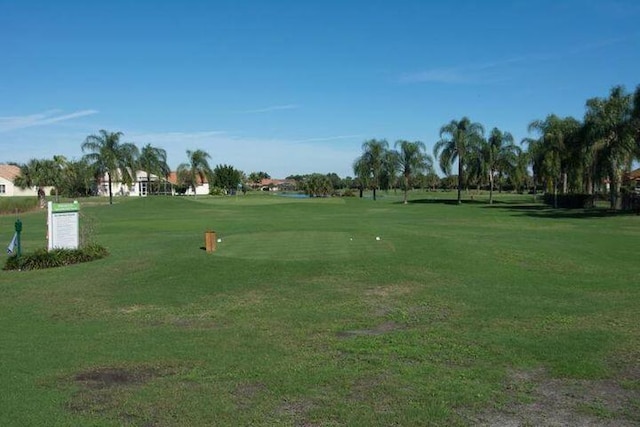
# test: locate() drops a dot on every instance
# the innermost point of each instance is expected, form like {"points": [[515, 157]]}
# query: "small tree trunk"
{"points": [[490, 188], [406, 188], [459, 180], [110, 192]]}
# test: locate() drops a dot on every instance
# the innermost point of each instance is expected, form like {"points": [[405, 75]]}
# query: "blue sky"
{"points": [[294, 87]]}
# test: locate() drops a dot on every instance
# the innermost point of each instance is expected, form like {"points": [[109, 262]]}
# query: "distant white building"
{"points": [[139, 187], [202, 188]]}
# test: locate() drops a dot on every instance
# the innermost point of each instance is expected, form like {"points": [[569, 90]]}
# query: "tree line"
{"points": [[105, 155], [564, 156]]}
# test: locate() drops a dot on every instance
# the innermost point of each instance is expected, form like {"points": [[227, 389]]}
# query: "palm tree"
{"points": [[34, 173], [556, 139], [58, 166], [519, 176], [610, 123], [500, 154], [196, 170], [413, 160], [361, 172], [390, 169], [456, 140], [153, 160], [109, 156], [371, 164], [318, 185]]}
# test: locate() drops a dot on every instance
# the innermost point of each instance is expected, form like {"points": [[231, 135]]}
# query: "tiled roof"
{"points": [[271, 181], [9, 172], [635, 175], [173, 178]]}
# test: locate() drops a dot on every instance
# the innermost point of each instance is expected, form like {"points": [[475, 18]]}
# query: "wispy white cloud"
{"points": [[489, 72], [40, 119], [473, 73], [271, 108]]}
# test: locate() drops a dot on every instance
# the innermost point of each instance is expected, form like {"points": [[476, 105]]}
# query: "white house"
{"points": [[139, 187], [201, 189], [8, 189]]}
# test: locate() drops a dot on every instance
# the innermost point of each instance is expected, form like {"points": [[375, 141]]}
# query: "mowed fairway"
{"points": [[510, 314]]}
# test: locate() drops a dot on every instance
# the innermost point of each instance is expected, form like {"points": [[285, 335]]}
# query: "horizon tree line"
{"points": [[564, 156]]}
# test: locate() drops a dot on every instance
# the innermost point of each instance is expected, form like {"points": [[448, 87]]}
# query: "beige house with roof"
{"points": [[8, 189]]}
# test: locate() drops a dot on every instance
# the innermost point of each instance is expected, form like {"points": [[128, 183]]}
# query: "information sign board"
{"points": [[62, 225]]}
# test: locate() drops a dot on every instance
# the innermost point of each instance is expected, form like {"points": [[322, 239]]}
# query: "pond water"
{"points": [[294, 195]]}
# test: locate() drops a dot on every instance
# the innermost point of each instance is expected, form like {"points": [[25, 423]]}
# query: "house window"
{"points": [[3, 189]]}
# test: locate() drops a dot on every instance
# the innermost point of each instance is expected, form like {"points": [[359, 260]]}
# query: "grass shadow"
{"points": [[544, 211], [444, 202]]}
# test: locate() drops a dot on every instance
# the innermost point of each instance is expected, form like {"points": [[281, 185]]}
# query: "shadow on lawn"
{"points": [[445, 202], [534, 210], [543, 211]]}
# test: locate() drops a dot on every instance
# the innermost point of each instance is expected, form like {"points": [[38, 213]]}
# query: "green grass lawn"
{"points": [[458, 315]]}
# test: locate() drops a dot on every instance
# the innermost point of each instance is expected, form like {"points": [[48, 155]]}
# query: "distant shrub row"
{"points": [[12, 205], [56, 258]]}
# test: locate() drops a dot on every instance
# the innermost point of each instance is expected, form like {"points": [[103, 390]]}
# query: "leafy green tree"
{"points": [[35, 173], [413, 160], [77, 179], [390, 170], [551, 151], [610, 124], [635, 118], [196, 171], [318, 185], [362, 174], [109, 156], [476, 165], [298, 180], [227, 177], [153, 160], [500, 154], [519, 176], [255, 178], [456, 140], [370, 165], [431, 180], [336, 182]]}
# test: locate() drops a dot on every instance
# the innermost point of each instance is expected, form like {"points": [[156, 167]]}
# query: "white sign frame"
{"points": [[63, 231]]}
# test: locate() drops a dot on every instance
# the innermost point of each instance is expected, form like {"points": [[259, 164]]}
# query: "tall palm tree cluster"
{"points": [[564, 155], [380, 167], [106, 155]]}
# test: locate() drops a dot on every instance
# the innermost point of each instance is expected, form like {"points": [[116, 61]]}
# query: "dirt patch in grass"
{"points": [[298, 410], [114, 377], [245, 394], [372, 389], [537, 400], [106, 391]]}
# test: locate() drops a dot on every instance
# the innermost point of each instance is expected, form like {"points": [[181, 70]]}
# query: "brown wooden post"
{"points": [[210, 240]]}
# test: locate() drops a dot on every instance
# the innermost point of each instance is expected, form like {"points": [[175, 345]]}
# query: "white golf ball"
{"points": [[377, 238], [219, 240]]}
